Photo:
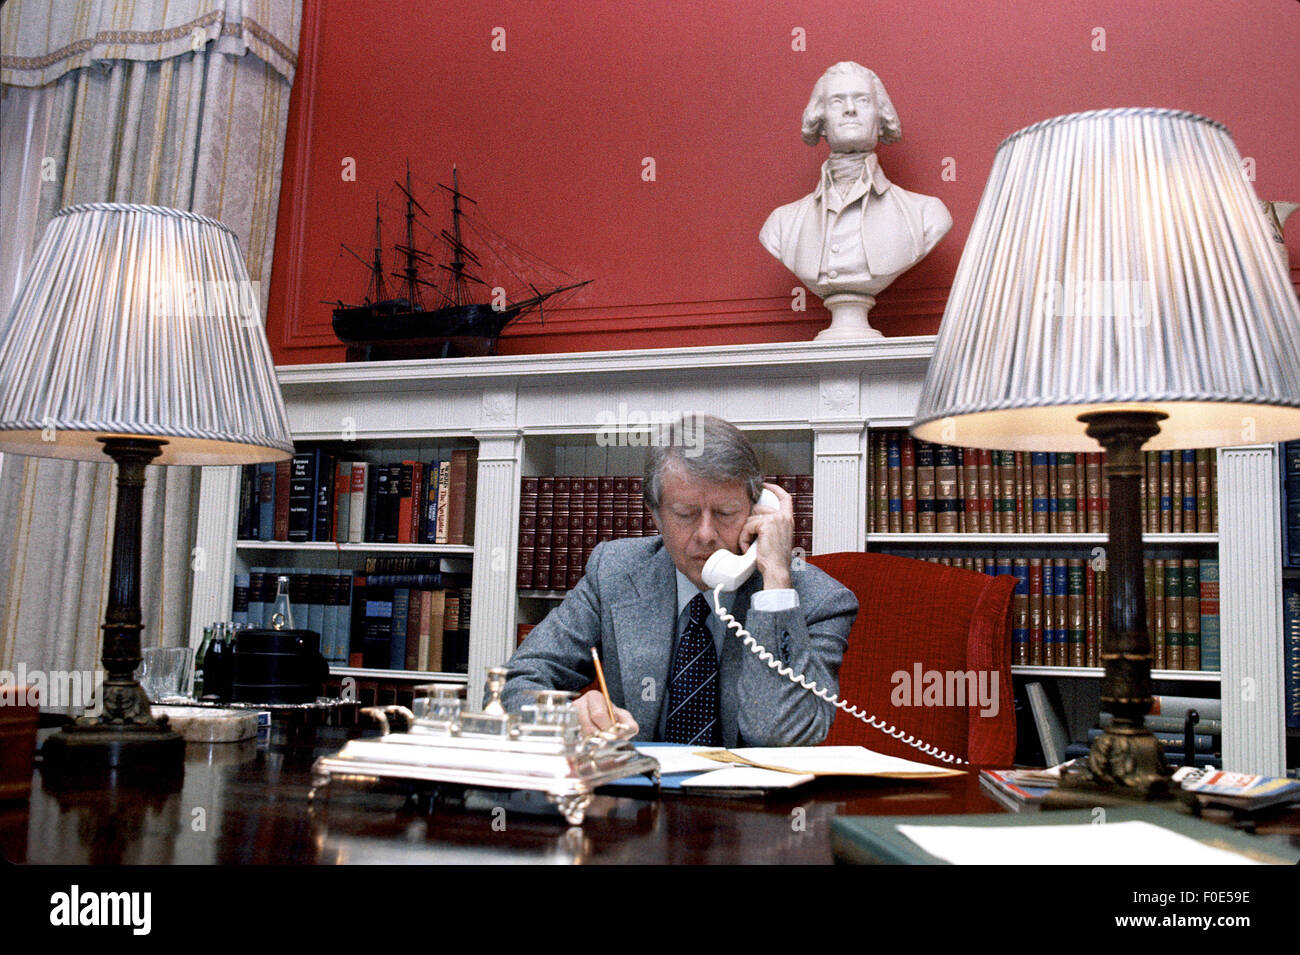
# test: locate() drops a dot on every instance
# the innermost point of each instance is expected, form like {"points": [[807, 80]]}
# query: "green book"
{"points": [[1174, 637]]}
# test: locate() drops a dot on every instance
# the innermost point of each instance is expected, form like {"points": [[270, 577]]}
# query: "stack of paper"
{"points": [[761, 768]]}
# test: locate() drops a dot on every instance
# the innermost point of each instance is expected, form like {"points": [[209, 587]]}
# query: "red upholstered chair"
{"points": [[916, 619]]}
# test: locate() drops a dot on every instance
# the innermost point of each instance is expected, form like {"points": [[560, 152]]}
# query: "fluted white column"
{"points": [[839, 486], [213, 558], [496, 537], [1250, 607]]}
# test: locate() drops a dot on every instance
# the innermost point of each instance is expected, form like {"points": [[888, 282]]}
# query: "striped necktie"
{"points": [[693, 683]]}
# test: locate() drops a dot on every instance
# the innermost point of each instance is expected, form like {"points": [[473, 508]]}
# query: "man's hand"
{"points": [[774, 531], [593, 714]]}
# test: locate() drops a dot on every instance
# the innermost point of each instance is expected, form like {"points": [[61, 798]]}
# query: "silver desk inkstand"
{"points": [[540, 749]]}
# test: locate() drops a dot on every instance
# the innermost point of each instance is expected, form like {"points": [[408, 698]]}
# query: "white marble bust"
{"points": [[857, 232]]}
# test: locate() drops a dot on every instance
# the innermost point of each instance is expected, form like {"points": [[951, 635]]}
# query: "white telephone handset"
{"points": [[728, 571]]}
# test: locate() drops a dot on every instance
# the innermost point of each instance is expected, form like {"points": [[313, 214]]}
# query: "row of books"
{"points": [[390, 615], [319, 496], [920, 487], [1291, 504], [1291, 651], [1060, 609], [562, 519]]}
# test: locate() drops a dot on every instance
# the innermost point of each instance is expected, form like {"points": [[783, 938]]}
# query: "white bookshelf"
{"points": [[820, 397]]}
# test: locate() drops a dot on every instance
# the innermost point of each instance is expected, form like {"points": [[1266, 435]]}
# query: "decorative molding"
{"points": [[498, 407], [839, 397]]}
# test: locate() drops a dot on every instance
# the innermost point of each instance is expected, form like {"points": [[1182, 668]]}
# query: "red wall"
{"points": [[550, 135]]}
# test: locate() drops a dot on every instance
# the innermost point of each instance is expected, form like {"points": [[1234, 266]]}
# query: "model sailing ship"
{"points": [[462, 319]]}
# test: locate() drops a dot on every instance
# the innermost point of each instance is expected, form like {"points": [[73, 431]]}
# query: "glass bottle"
{"points": [[198, 661], [282, 614], [217, 665]]}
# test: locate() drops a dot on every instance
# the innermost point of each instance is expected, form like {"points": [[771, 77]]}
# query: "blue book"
{"points": [[1291, 503], [1020, 611], [1209, 595], [317, 591], [1291, 651], [247, 529], [894, 462], [429, 525], [1061, 590], [338, 617], [397, 646], [377, 627], [265, 502], [1187, 501]]}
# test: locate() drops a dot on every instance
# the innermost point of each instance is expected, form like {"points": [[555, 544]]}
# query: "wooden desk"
{"points": [[240, 806]]}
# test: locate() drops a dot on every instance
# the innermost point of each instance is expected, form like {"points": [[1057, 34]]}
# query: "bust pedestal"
{"points": [[848, 318]]}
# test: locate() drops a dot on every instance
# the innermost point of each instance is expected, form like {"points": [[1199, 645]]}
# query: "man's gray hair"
{"points": [[705, 447], [814, 116]]}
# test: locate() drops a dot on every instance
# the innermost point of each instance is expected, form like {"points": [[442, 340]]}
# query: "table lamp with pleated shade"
{"points": [[1119, 289], [136, 337]]}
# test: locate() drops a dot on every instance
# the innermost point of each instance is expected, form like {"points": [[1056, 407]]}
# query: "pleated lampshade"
{"points": [[139, 320], [1119, 260]]}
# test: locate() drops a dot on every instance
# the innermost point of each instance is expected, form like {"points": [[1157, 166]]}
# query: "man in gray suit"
{"points": [[674, 672]]}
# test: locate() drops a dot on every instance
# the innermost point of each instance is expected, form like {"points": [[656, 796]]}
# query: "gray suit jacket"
{"points": [[626, 606]]}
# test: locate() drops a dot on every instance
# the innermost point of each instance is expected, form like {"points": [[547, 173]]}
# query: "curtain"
{"points": [[173, 103]]}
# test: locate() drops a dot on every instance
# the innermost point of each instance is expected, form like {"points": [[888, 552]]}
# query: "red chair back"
{"points": [[929, 653]]}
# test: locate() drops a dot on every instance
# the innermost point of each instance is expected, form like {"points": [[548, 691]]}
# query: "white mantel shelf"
{"points": [[782, 357]]}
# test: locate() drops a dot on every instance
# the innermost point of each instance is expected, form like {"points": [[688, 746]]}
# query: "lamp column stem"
{"points": [[123, 735], [1126, 760], [122, 626]]}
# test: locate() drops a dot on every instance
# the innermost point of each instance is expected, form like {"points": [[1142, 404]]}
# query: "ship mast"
{"points": [[411, 271], [457, 263], [378, 273], [458, 250]]}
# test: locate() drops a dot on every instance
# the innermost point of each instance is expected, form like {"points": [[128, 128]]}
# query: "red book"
{"points": [[414, 608], [405, 516], [282, 472], [417, 501], [1036, 611], [456, 502], [908, 473]]}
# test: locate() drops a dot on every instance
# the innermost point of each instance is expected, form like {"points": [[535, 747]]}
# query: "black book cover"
{"points": [[393, 503], [248, 507], [323, 490], [356, 618], [377, 627], [455, 650], [372, 502], [302, 497]]}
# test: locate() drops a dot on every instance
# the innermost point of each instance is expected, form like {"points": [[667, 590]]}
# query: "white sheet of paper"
{"points": [[679, 759], [841, 760], [745, 777], [1114, 843]]}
